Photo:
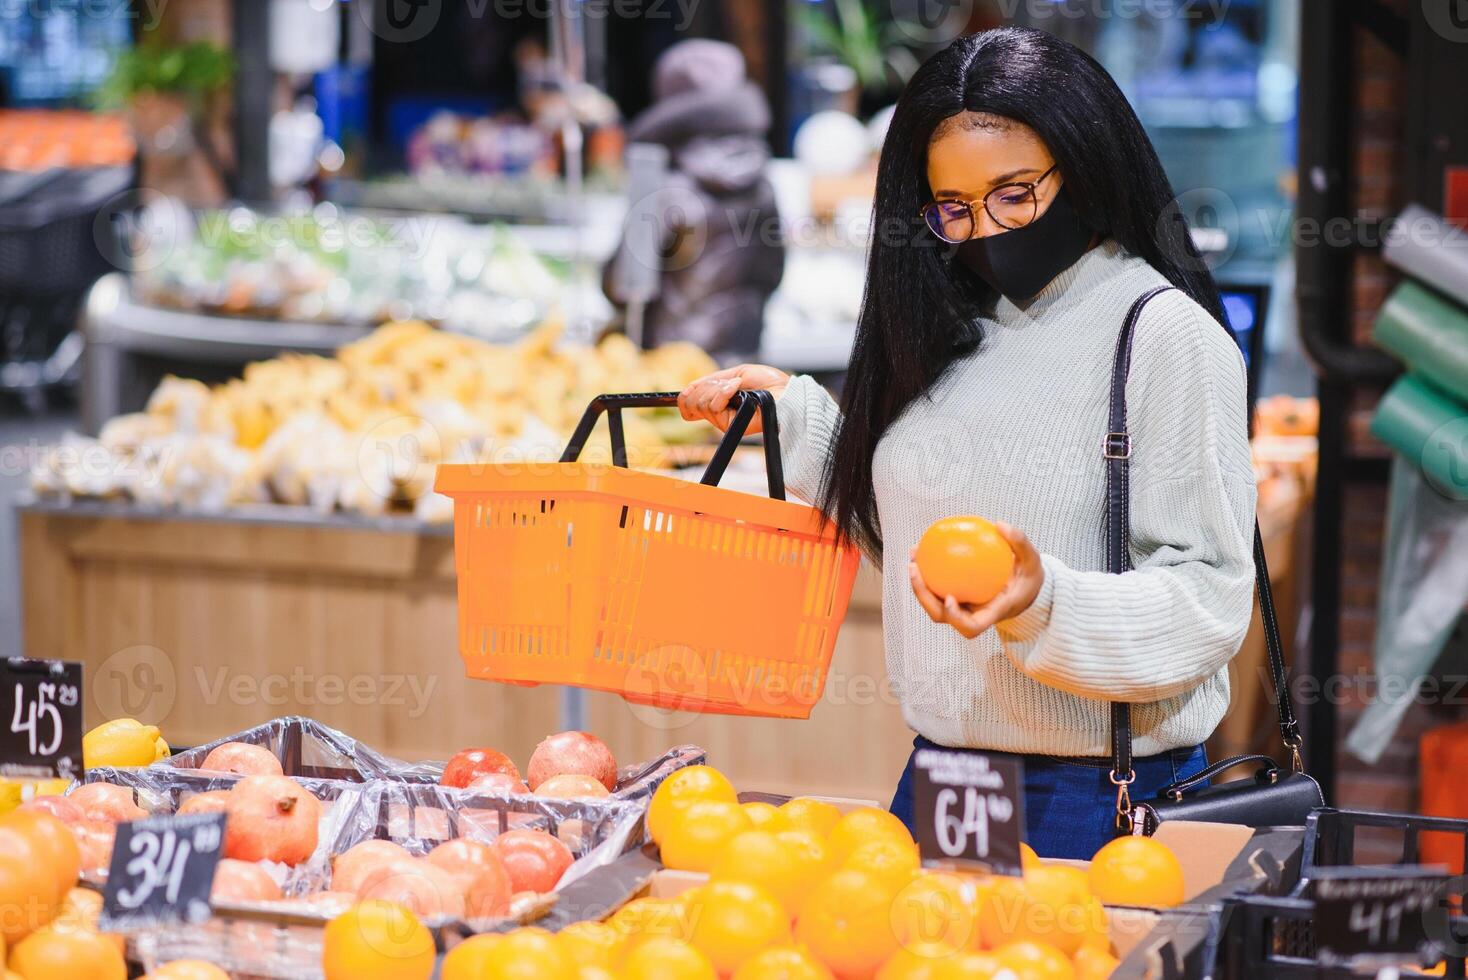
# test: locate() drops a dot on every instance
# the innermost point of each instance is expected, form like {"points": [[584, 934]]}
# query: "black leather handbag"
{"points": [[1272, 797]]}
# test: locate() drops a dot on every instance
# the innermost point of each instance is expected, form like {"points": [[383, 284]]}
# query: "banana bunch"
{"points": [[124, 742]]}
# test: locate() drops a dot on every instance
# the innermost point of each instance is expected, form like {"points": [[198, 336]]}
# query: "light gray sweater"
{"points": [[1013, 432]]}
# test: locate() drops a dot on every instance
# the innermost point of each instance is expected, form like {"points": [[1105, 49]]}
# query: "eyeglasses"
{"points": [[1012, 205]]}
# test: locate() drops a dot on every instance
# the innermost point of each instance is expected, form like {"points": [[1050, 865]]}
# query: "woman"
{"points": [[978, 385]]}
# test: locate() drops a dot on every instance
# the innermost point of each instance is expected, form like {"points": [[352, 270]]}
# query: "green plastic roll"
{"points": [[1430, 333], [1428, 429]]}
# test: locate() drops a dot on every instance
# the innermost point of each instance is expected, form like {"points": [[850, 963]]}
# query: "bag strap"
{"points": [[1117, 450]]}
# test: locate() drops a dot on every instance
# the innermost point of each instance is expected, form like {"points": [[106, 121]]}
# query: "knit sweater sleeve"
{"points": [[1182, 612], [809, 418]]}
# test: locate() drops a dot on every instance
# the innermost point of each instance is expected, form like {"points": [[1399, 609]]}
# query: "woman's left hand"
{"points": [[1013, 599]]}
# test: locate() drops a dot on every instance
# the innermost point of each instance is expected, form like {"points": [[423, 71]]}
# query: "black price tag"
{"points": [[41, 720], [968, 808], [1392, 911], [162, 870]]}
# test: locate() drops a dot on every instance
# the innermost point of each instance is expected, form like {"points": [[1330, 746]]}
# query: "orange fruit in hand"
{"points": [[761, 858], [665, 958], [687, 785], [1137, 871], [966, 558], [863, 825], [783, 963], [377, 940], [847, 922], [733, 920], [804, 813], [937, 911], [1034, 961], [698, 832]]}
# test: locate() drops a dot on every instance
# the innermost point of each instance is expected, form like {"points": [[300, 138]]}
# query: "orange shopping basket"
{"points": [[668, 592]]}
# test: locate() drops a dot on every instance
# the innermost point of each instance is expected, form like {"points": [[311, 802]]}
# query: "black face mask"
{"points": [[1019, 263]]}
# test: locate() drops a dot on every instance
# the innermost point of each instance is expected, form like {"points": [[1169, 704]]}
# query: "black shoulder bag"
{"points": [[1271, 797]]}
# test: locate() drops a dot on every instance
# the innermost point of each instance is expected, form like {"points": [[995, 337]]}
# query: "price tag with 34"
{"points": [[968, 808], [162, 871]]}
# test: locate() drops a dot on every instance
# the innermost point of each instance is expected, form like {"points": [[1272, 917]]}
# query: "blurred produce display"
{"points": [[42, 140], [455, 144], [364, 431], [332, 266]]}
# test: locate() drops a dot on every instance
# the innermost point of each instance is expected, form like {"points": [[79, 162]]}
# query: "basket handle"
{"points": [[745, 405]]}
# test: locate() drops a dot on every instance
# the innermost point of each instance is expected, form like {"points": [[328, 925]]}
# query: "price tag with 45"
{"points": [[41, 720]]}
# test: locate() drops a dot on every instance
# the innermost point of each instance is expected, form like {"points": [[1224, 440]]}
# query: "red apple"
{"points": [[352, 866], [243, 759], [572, 752], [62, 808], [243, 881], [533, 859], [425, 889], [463, 767], [271, 818], [213, 801], [106, 802]]}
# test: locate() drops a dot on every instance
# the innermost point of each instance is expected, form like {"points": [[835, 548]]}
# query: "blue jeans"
{"points": [[1070, 804]]}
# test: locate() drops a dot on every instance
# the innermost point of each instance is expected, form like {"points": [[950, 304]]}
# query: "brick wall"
{"points": [[1391, 784]]}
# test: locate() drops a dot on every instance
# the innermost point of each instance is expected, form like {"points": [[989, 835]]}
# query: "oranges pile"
{"points": [[805, 891]]}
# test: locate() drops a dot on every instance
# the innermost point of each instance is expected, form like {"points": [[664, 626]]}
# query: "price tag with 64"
{"points": [[968, 808]]}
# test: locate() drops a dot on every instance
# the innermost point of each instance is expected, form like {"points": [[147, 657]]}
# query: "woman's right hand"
{"points": [[708, 398]]}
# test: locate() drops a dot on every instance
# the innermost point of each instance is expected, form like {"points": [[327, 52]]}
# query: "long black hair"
{"points": [[917, 315]]}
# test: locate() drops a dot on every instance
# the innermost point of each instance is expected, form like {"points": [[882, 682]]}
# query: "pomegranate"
{"points": [[271, 818], [60, 807], [571, 786], [479, 873], [572, 752], [213, 801], [499, 782], [106, 802], [352, 866], [424, 888], [464, 766], [534, 859], [94, 840], [243, 759], [243, 881]]}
